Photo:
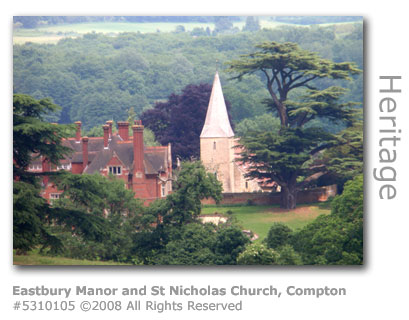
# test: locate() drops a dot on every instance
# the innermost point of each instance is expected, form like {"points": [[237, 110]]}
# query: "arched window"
{"points": [[214, 145]]}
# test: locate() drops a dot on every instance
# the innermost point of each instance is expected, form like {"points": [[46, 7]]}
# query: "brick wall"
{"points": [[264, 198]]}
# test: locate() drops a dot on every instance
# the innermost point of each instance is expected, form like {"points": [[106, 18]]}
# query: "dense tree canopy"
{"points": [[96, 77], [288, 156], [336, 238]]}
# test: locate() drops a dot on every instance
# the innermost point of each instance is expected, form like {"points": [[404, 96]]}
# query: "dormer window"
{"points": [[116, 170]]}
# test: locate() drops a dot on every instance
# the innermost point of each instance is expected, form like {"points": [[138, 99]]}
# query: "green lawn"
{"points": [[260, 218], [34, 258]]}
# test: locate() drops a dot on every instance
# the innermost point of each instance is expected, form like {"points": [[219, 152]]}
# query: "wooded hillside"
{"points": [[98, 77]]}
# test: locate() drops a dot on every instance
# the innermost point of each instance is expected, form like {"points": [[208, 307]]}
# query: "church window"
{"points": [[214, 145], [247, 185], [115, 170]]}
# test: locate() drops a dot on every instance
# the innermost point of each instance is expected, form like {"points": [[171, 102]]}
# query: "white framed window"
{"points": [[54, 197], [116, 170], [163, 189], [64, 166], [34, 167]]}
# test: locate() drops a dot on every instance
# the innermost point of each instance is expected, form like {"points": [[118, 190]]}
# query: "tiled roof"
{"points": [[155, 158]]}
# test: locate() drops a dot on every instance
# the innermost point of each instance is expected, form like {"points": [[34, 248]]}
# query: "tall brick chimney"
{"points": [[123, 130], [78, 132], [138, 153], [106, 135], [109, 122], [45, 167], [84, 152]]}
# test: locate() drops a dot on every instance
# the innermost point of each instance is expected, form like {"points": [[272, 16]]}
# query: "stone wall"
{"points": [[266, 198]]}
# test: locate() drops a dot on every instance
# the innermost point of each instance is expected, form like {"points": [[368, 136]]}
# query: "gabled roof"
{"points": [[155, 158], [217, 122]]}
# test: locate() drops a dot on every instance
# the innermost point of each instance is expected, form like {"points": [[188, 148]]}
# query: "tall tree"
{"points": [[287, 156], [33, 137], [180, 120]]}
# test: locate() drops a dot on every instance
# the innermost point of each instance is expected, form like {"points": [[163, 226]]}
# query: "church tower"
{"points": [[217, 140]]}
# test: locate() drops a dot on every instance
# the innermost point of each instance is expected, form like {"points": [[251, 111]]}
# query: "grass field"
{"points": [[260, 218], [34, 258], [53, 33]]}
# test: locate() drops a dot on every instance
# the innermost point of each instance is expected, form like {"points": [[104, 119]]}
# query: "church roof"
{"points": [[217, 124]]}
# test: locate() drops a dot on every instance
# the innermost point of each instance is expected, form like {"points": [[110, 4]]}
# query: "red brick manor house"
{"points": [[145, 170]]}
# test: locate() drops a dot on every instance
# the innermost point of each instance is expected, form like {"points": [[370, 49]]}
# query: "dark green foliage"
{"points": [[84, 201], [338, 237], [230, 242], [278, 235], [345, 161], [87, 197], [289, 156], [29, 211], [180, 120], [349, 205], [287, 67], [288, 256], [284, 157], [33, 136], [193, 184], [189, 244]]}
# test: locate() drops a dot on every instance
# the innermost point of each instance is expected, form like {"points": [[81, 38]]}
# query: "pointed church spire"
{"points": [[217, 122]]}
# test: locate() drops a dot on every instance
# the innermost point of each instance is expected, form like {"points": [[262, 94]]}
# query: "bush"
{"points": [[278, 235], [257, 254]]}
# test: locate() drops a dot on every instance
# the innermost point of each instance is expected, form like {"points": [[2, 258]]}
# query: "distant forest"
{"points": [[35, 21], [98, 77]]}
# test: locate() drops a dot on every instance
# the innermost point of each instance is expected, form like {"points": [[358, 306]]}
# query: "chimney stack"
{"points": [[123, 130], [78, 132], [84, 152], [109, 122], [138, 149], [106, 135], [45, 167]]}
